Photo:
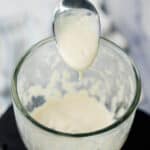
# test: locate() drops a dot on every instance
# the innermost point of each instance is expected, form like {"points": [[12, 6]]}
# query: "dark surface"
{"points": [[139, 138]]}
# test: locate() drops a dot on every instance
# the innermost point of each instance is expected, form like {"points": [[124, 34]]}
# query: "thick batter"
{"points": [[74, 113]]}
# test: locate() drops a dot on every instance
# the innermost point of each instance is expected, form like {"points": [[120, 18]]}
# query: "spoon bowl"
{"points": [[76, 28]]}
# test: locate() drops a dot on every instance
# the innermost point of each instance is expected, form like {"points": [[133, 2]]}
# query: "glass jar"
{"points": [[112, 80]]}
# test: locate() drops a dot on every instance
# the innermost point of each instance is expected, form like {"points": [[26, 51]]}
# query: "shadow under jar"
{"points": [[112, 80]]}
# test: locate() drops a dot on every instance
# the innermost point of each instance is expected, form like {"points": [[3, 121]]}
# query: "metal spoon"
{"points": [[76, 21]]}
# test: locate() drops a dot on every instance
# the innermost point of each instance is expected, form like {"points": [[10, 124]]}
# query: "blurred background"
{"points": [[24, 22]]}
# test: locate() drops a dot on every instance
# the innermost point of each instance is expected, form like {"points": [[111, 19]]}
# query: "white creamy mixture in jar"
{"points": [[74, 113]]}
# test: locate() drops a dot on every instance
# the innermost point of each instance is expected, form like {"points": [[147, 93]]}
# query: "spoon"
{"points": [[74, 19]]}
